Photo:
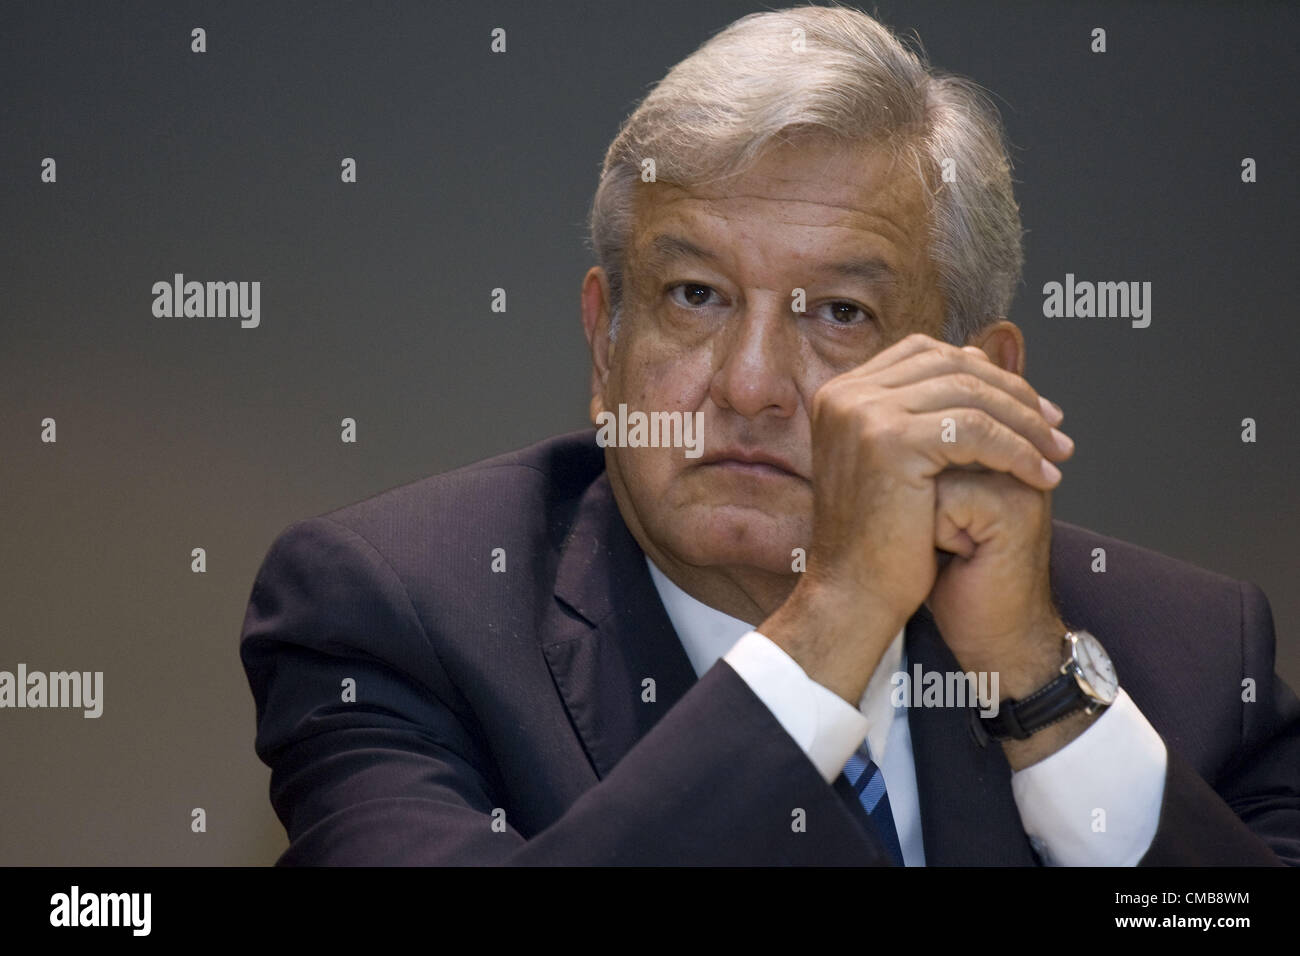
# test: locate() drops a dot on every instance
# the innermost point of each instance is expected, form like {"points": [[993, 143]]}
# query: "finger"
{"points": [[1051, 411], [970, 436], [951, 540], [939, 358], [969, 508], [902, 349], [966, 390]]}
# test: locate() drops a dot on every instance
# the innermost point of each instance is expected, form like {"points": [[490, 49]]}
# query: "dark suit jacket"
{"points": [[516, 697]]}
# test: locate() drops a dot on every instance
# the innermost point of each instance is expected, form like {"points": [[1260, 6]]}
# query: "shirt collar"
{"points": [[707, 634]]}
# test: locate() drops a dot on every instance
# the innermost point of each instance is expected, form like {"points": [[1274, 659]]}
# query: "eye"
{"points": [[691, 295], [845, 313]]}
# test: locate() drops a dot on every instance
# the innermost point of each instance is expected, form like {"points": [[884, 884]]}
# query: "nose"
{"points": [[756, 358]]}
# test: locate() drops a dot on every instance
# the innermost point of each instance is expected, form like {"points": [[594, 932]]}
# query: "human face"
{"points": [[709, 326]]}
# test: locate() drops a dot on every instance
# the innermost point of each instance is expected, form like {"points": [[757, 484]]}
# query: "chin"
{"points": [[732, 535]]}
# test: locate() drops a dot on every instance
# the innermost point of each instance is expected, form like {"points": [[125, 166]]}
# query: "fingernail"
{"points": [[1063, 441], [1051, 411], [1051, 472]]}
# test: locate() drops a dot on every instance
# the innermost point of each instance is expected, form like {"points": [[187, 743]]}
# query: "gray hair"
{"points": [[853, 81]]}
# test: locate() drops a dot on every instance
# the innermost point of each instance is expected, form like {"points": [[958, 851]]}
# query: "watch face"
{"points": [[1098, 671]]}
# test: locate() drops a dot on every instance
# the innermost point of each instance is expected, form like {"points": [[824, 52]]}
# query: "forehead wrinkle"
{"points": [[901, 234], [884, 221]]}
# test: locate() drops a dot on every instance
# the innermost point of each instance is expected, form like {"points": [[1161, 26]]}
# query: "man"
{"points": [[603, 650]]}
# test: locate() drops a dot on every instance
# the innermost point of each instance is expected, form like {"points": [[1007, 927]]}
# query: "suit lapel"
{"points": [[968, 812], [608, 632]]}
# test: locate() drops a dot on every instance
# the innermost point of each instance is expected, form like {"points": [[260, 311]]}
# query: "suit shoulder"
{"points": [[1074, 552], [512, 490], [522, 500]]}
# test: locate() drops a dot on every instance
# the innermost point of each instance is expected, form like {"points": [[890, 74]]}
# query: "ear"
{"points": [[1003, 343], [595, 324]]}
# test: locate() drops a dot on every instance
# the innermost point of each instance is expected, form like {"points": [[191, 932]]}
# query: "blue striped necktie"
{"points": [[869, 784]]}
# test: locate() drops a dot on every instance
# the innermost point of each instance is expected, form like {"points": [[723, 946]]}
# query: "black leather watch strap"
{"points": [[1020, 719]]}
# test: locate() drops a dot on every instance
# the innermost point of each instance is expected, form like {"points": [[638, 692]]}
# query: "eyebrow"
{"points": [[666, 247], [870, 271]]}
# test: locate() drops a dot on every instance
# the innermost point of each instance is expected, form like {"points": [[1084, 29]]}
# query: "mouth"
{"points": [[756, 463]]}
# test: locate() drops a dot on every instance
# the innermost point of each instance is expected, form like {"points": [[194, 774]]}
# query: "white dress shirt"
{"points": [[1095, 802]]}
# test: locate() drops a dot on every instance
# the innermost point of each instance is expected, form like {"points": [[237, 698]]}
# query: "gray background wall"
{"points": [[475, 171]]}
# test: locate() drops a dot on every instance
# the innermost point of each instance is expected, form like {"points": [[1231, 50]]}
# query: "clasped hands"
{"points": [[932, 476]]}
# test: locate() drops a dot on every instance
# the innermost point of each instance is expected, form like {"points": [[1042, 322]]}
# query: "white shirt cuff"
{"points": [[1096, 801], [824, 725]]}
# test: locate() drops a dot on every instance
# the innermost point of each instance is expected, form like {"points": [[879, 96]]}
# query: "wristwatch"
{"points": [[1087, 682]]}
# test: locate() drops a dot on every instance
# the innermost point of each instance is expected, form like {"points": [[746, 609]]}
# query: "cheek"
{"points": [[654, 376], [652, 478]]}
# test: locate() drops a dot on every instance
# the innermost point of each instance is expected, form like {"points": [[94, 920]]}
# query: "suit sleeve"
{"points": [[401, 776], [1249, 815]]}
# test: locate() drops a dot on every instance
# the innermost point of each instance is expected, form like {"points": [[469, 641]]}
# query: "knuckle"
{"points": [[829, 400], [972, 385], [879, 427], [975, 423], [944, 362]]}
